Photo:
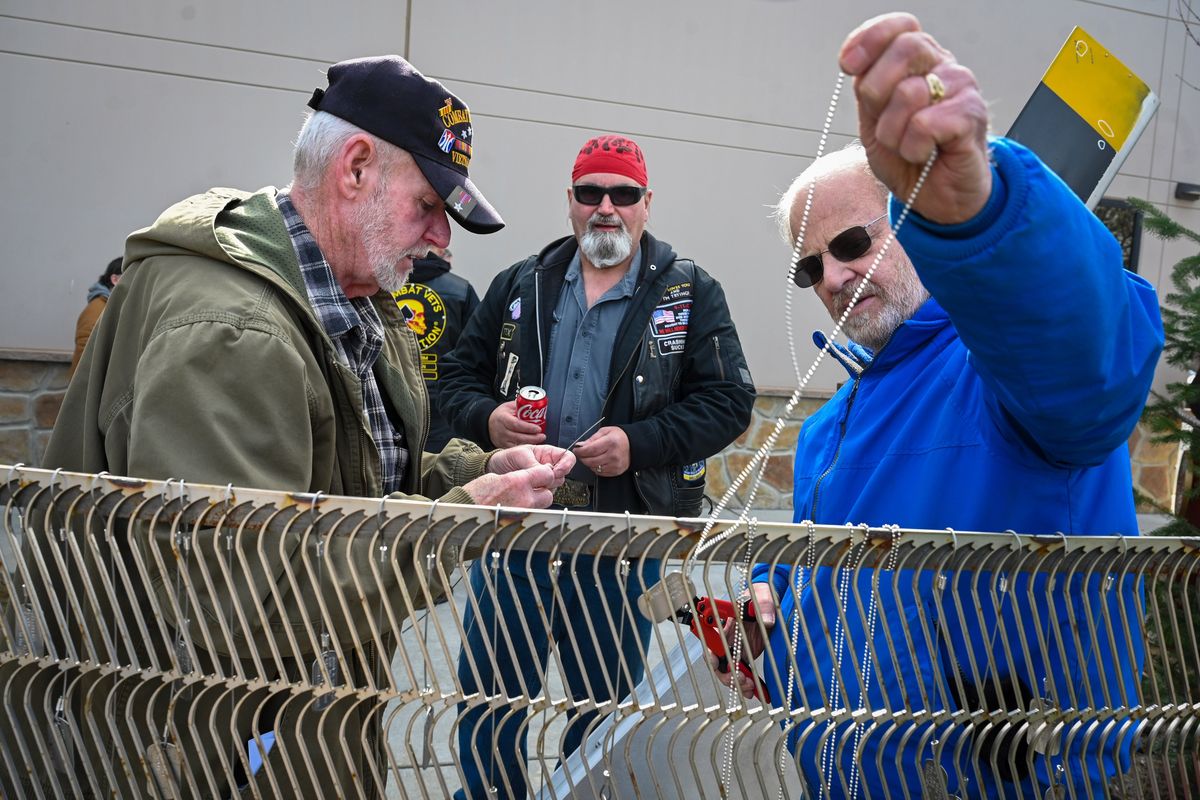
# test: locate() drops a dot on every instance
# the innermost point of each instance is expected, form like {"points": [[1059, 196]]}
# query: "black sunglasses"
{"points": [[845, 247], [588, 195]]}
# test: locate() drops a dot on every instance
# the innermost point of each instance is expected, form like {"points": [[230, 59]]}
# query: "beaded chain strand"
{"points": [[758, 462]]}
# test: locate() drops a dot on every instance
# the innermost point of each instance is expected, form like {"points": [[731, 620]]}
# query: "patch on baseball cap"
{"points": [[389, 97]]}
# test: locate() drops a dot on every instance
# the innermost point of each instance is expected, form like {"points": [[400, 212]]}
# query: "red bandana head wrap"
{"points": [[612, 154]]}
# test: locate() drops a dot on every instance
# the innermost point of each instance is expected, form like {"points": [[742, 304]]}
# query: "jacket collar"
{"points": [[428, 268], [929, 321]]}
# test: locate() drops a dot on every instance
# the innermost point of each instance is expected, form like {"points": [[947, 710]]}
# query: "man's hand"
{"points": [[753, 645], [508, 431], [606, 452], [522, 477], [900, 119], [526, 456]]}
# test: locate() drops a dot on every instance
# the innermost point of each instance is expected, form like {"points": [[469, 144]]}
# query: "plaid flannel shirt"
{"points": [[357, 334]]}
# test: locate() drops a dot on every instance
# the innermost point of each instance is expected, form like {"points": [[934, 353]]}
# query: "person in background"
{"points": [[436, 305], [638, 354], [97, 299]]}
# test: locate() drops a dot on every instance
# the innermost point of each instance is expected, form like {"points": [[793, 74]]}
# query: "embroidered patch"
{"points": [[460, 201], [669, 324], [429, 367], [694, 472], [514, 309], [508, 373], [456, 143], [671, 319], [423, 312], [678, 291], [507, 331]]}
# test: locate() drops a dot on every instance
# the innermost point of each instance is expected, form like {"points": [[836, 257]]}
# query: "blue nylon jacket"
{"points": [[1004, 403]]}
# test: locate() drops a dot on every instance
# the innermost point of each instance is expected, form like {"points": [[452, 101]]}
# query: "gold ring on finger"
{"points": [[937, 89]]}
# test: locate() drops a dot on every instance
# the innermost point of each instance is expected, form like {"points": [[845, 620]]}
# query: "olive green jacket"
{"points": [[211, 366]]}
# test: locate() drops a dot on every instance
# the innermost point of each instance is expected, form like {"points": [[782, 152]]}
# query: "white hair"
{"points": [[320, 139], [852, 156]]}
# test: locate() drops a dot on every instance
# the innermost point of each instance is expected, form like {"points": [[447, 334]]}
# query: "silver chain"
{"points": [[758, 463]]}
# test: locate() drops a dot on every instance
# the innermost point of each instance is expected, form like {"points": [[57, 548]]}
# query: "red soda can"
{"points": [[531, 405]]}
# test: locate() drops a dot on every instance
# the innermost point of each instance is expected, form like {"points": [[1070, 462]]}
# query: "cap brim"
{"points": [[465, 204]]}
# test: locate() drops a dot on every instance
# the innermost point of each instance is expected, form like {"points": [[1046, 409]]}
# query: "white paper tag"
{"points": [[508, 373]]}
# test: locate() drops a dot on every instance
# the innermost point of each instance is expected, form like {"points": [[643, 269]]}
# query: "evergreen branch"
{"points": [[1167, 406]]}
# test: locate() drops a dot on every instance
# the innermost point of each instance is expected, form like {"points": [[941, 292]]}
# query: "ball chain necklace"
{"points": [[756, 468]]}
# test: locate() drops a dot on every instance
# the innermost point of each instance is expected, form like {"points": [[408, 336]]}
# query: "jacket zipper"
{"points": [[837, 451], [717, 348]]}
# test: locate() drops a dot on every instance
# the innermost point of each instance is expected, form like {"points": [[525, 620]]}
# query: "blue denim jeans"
{"points": [[501, 656]]}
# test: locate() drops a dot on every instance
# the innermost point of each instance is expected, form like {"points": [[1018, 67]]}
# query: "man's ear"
{"points": [[355, 162]]}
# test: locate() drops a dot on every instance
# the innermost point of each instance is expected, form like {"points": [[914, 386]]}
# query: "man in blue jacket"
{"points": [[999, 359]]}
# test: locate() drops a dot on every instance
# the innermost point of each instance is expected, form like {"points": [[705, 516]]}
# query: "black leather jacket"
{"points": [[679, 395]]}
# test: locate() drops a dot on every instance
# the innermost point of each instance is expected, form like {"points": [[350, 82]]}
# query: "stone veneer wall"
{"points": [[32, 384], [1155, 470], [775, 491]]}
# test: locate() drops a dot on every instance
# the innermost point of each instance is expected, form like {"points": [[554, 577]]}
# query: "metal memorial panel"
{"points": [[162, 639]]}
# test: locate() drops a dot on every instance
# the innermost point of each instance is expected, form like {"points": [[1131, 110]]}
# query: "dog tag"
{"points": [[164, 761], [62, 754], [427, 736], [329, 658], [182, 657], [933, 778]]}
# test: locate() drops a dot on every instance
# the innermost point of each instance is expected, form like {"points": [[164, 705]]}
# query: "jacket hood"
{"points": [[428, 268], [235, 227], [98, 289]]}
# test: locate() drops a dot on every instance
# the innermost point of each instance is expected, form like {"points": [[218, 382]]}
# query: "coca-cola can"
{"points": [[531, 405]]}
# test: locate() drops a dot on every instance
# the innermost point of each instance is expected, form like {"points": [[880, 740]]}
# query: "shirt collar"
{"points": [[627, 284], [338, 314]]}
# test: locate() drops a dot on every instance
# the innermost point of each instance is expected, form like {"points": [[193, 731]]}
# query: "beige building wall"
{"points": [[114, 110]]}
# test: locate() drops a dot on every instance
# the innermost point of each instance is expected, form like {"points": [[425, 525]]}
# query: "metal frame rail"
{"points": [[165, 639]]}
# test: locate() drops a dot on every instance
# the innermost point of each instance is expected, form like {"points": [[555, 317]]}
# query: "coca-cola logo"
{"points": [[532, 413]]}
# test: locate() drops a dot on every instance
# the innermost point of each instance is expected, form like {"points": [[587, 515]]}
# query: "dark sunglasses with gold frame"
{"points": [[848, 245]]}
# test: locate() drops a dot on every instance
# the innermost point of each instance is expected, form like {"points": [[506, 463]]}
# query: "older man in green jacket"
{"points": [[253, 342]]}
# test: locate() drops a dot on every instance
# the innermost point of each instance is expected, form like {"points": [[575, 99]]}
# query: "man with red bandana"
{"points": [[639, 357]]}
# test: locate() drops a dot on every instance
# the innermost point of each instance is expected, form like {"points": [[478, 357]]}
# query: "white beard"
{"points": [[897, 304], [371, 219], [608, 248]]}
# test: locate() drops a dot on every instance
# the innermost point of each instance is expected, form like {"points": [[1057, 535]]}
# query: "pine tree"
{"points": [[1174, 416]]}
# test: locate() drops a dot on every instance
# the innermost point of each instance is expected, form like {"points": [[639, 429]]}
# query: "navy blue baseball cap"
{"points": [[387, 96]]}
